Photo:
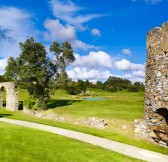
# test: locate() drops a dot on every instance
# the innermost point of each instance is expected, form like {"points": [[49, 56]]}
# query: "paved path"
{"points": [[125, 149]]}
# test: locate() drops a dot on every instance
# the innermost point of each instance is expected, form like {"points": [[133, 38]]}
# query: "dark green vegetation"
{"points": [[15, 145], [113, 84], [120, 111]]}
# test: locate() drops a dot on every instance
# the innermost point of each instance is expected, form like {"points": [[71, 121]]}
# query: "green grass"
{"points": [[113, 135], [22, 144], [120, 105], [121, 109]]}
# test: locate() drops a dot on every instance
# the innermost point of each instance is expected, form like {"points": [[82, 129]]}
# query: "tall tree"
{"points": [[34, 68], [63, 57], [11, 70]]}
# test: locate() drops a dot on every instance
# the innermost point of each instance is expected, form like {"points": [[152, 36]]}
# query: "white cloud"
{"points": [[94, 66], [71, 21], [81, 45], [59, 32], [126, 51], [17, 26], [69, 12], [139, 73], [128, 66], [99, 66], [3, 63], [136, 76], [137, 79], [90, 74], [95, 32], [127, 76], [95, 60]]}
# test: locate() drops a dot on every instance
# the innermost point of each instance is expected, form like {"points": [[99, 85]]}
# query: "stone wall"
{"points": [[156, 85], [11, 95]]}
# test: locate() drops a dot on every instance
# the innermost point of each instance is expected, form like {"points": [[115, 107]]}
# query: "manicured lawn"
{"points": [[119, 111], [119, 105], [20, 144]]}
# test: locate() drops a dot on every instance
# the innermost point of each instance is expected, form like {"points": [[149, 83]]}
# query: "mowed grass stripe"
{"points": [[29, 145]]}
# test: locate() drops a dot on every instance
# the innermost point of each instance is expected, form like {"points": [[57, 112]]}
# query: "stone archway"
{"points": [[11, 96]]}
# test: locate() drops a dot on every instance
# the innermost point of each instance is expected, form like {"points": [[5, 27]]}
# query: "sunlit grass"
{"points": [[29, 145], [119, 111]]}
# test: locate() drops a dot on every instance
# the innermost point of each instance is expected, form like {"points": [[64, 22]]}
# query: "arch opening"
{"points": [[3, 97]]}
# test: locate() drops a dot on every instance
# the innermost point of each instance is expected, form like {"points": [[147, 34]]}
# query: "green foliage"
{"points": [[23, 85], [133, 88], [75, 88], [117, 82], [136, 87], [63, 57], [114, 84], [34, 69], [111, 88], [99, 85], [11, 70], [2, 78]]}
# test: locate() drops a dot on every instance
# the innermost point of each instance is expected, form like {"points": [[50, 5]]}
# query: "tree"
{"points": [[63, 57], [99, 85], [11, 70], [34, 68], [2, 79], [117, 82]]}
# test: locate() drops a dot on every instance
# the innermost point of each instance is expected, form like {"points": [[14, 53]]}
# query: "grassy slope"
{"points": [[122, 109], [29, 145]]}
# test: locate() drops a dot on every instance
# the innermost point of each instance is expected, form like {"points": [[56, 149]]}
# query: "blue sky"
{"points": [[108, 37]]}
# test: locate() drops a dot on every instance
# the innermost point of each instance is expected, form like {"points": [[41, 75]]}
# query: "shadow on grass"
{"points": [[20, 105], [3, 115], [57, 103]]}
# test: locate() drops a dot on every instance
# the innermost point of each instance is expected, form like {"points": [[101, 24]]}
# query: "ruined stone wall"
{"points": [[156, 90], [155, 124], [11, 95]]}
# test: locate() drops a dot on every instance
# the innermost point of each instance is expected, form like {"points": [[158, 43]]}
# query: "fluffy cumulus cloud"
{"points": [[15, 26], [100, 65], [94, 66], [59, 32], [139, 73], [126, 65], [95, 32], [95, 60], [136, 76], [126, 51], [90, 74]]}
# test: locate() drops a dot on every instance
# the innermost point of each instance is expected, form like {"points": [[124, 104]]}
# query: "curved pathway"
{"points": [[125, 149]]}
